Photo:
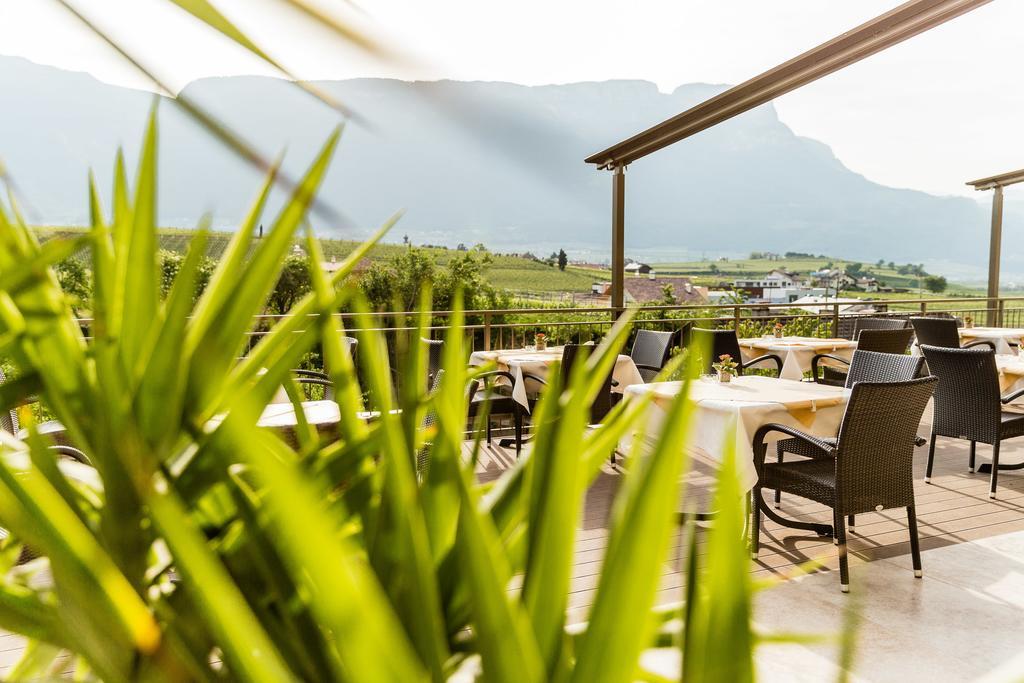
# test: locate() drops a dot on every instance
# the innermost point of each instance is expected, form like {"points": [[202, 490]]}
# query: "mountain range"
{"points": [[488, 162]]}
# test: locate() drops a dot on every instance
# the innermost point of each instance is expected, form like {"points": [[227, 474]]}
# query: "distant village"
{"points": [[777, 286]]}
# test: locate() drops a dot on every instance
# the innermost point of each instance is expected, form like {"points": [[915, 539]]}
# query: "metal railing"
{"points": [[514, 328]]}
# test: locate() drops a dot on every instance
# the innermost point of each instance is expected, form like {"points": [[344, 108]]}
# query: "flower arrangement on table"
{"points": [[540, 341], [968, 321], [778, 329], [726, 367]]}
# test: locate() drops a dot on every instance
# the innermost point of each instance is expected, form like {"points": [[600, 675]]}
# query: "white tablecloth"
{"points": [[1001, 336], [796, 352], [518, 361], [734, 411]]}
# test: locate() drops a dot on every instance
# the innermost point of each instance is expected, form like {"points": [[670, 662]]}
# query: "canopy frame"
{"points": [[995, 243], [890, 28]]}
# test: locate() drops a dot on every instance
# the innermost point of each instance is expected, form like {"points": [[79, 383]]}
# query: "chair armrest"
{"points": [[311, 373], [759, 359], [318, 381], [980, 342], [535, 378], [615, 382], [495, 373], [73, 453], [641, 366], [760, 449], [818, 356], [920, 441], [1009, 398]]}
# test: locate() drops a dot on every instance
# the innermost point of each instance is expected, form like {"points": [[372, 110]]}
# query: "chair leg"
{"points": [[995, 470], [778, 493], [488, 430], [851, 520], [844, 562], [931, 460], [915, 544], [970, 464], [517, 420], [755, 527]]}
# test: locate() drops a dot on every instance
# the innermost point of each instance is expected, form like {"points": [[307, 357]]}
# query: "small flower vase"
{"points": [[778, 334], [968, 324], [541, 343], [724, 376]]}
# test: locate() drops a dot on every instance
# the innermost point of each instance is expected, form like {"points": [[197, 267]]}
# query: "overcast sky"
{"points": [[929, 114]]}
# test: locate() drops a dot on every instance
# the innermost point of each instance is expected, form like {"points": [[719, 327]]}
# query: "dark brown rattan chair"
{"points": [[968, 405], [869, 468], [651, 350], [942, 332], [866, 366], [484, 394], [578, 353], [892, 341], [722, 342]]}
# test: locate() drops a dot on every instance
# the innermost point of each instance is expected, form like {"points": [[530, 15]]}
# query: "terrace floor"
{"points": [[963, 620]]}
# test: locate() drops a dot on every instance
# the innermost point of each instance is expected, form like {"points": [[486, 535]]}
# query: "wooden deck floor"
{"points": [[953, 508]]}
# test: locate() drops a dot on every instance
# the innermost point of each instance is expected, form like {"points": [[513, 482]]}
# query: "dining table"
{"points": [[796, 352], [1006, 339], [727, 414], [520, 362]]}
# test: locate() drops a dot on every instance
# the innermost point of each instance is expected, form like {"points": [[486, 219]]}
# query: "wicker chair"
{"points": [[484, 395], [721, 342], [866, 366], [870, 467], [968, 405], [890, 341], [571, 354], [942, 332], [651, 350]]}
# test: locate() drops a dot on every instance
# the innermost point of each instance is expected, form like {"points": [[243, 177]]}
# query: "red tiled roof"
{"points": [[645, 290]]}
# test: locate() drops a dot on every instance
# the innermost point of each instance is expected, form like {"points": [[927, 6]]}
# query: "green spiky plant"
{"points": [[208, 549]]}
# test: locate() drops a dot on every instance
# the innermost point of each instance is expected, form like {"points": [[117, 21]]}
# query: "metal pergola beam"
{"points": [[995, 244], [895, 26]]}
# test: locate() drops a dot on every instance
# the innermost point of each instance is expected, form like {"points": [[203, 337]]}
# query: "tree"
{"points": [[668, 294], [74, 282], [713, 269], [881, 263], [563, 260], [292, 285], [855, 269], [170, 264], [936, 284]]}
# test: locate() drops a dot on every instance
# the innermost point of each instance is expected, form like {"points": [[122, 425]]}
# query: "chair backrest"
{"points": [[936, 331], [435, 351], [8, 419], [714, 343], [875, 451], [429, 420], [879, 324], [578, 353], [872, 366], [652, 348], [967, 403], [885, 341]]}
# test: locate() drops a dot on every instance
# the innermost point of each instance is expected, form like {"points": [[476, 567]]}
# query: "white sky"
{"points": [[931, 113]]}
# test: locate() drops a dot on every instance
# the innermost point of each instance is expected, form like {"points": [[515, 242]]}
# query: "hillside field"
{"points": [[514, 273]]}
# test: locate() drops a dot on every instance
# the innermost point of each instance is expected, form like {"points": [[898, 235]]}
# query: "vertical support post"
{"points": [[994, 248], [487, 331], [618, 239], [835, 319]]}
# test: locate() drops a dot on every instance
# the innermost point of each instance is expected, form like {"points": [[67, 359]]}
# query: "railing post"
{"points": [[736, 319], [487, 331], [835, 320], [1000, 311], [924, 307]]}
